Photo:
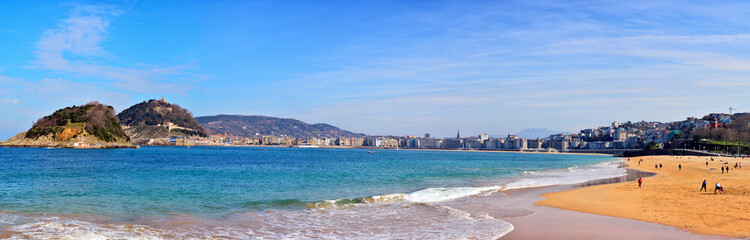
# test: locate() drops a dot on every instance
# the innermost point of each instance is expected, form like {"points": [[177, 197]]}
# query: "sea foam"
{"points": [[570, 175]]}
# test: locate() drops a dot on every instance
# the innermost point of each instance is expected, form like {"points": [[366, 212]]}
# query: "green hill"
{"points": [[158, 112], [97, 119], [94, 124]]}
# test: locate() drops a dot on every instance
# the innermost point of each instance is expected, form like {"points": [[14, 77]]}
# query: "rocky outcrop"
{"points": [[93, 125], [82, 140]]}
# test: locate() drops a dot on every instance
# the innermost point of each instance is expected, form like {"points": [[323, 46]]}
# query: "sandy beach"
{"points": [[673, 196]]}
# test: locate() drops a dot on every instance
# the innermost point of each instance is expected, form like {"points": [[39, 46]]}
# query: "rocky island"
{"points": [[93, 125]]}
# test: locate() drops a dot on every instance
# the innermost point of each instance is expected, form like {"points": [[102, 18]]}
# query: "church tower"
{"points": [[162, 97], [458, 134]]}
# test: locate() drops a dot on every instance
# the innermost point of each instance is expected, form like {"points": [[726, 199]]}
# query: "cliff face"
{"points": [[142, 120], [83, 140], [93, 125]]}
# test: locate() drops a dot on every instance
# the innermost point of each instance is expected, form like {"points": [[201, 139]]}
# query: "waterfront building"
{"points": [[515, 143], [452, 143], [473, 143], [484, 137], [495, 143], [431, 143], [535, 143]]}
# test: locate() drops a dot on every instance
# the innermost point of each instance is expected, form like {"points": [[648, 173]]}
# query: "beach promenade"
{"points": [[672, 197]]}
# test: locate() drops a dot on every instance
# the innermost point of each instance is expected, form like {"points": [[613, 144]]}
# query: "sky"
{"points": [[381, 67]]}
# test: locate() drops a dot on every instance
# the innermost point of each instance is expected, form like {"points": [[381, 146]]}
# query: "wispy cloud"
{"points": [[69, 92], [569, 59], [72, 46], [9, 101], [652, 39]]}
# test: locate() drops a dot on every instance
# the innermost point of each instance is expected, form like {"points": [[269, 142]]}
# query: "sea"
{"points": [[269, 193]]}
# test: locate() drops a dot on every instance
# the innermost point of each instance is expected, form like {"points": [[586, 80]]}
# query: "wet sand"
{"points": [[532, 221], [671, 197]]}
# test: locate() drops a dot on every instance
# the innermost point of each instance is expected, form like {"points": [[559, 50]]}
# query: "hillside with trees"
{"points": [[94, 124], [248, 126], [159, 112], [731, 138]]}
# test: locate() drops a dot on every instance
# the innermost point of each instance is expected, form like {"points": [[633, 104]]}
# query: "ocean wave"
{"points": [[415, 221], [445, 194], [53, 228], [429, 195], [570, 175], [416, 215], [274, 204]]}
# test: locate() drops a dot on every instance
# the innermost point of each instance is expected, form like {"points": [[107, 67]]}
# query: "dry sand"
{"points": [[672, 197]]}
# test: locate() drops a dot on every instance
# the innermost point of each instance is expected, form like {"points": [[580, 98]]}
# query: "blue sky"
{"points": [[381, 67]]}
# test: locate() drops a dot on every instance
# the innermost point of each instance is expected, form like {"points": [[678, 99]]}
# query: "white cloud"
{"points": [[9, 101], [64, 92], [651, 39], [70, 46]]}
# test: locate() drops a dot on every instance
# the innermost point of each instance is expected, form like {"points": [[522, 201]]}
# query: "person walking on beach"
{"points": [[722, 169], [703, 187], [660, 165], [640, 181], [718, 188], [679, 167], [706, 163]]}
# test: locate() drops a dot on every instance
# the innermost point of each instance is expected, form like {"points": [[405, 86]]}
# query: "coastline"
{"points": [[423, 210], [517, 207], [501, 212], [84, 141], [389, 149], [671, 197]]}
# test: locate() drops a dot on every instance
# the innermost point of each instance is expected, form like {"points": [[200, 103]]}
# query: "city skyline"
{"points": [[381, 68]]}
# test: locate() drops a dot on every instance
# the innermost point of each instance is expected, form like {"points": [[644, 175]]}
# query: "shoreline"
{"points": [[387, 149], [110, 146], [671, 197], [517, 207], [424, 221], [514, 206]]}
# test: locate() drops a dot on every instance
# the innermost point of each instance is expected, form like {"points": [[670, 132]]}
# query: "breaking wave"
{"points": [[415, 215]]}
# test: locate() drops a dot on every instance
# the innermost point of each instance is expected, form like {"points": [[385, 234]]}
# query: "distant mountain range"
{"points": [[532, 133], [248, 126]]}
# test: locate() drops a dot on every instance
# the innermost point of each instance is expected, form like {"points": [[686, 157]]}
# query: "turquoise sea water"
{"points": [[222, 182], [213, 180]]}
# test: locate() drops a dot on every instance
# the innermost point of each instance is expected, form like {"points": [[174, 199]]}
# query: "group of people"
{"points": [[718, 187], [726, 168]]}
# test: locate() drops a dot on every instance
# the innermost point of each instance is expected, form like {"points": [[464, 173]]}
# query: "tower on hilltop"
{"points": [[458, 134], [162, 97]]}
